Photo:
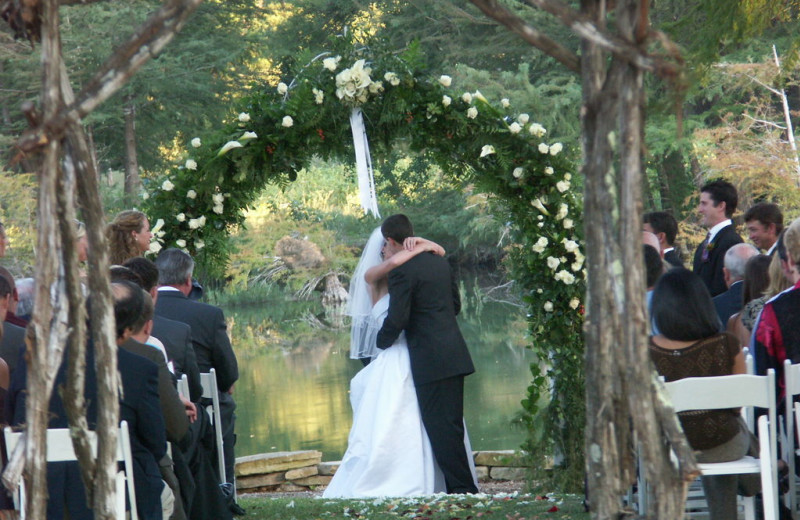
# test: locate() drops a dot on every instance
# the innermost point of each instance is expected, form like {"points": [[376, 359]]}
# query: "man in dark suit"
{"points": [[718, 200], [730, 302], [665, 228], [209, 336], [175, 335], [764, 223], [139, 406], [424, 301]]}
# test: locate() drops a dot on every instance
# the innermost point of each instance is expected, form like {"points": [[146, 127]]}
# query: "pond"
{"points": [[293, 390]]}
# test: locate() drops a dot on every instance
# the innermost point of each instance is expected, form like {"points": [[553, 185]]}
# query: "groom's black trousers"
{"points": [[441, 405]]}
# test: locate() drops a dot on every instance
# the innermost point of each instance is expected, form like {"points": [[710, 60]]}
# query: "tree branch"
{"points": [[493, 9], [146, 43]]}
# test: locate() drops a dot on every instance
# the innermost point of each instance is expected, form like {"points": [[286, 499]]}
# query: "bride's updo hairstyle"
{"points": [[397, 227]]}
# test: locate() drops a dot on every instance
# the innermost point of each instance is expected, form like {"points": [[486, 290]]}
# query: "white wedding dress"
{"points": [[388, 452]]}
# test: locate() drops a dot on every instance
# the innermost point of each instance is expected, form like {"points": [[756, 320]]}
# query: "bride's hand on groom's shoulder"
{"points": [[419, 244]]}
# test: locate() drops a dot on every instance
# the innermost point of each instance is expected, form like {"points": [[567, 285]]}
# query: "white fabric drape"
{"points": [[366, 180]]}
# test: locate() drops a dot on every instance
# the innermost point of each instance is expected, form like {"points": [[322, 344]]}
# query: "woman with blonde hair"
{"points": [[128, 236]]}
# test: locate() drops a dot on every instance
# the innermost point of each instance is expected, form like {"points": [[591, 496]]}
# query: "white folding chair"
{"points": [[741, 390], [791, 377], [60, 449], [183, 386], [210, 391]]}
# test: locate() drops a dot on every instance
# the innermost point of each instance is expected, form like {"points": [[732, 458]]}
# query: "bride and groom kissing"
{"points": [[408, 435]]}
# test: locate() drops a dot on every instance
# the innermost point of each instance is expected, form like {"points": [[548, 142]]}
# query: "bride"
{"points": [[388, 452]]}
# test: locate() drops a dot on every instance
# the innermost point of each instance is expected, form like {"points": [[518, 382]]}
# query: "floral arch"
{"points": [[280, 128]]}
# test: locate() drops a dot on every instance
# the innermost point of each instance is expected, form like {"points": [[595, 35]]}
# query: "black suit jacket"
{"points": [[729, 302], [175, 420], [673, 258], [139, 406], [11, 345], [424, 302], [177, 339], [209, 335], [710, 270]]}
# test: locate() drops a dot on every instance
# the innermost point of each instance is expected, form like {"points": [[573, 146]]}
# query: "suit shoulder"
{"points": [[172, 324]]}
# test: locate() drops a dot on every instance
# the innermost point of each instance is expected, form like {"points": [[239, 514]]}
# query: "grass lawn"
{"points": [[513, 506]]}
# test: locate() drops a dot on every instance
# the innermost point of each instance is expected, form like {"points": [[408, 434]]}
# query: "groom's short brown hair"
{"points": [[397, 227]]}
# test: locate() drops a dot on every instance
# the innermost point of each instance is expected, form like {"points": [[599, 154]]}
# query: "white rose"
{"points": [[487, 150], [570, 245], [201, 220], [199, 244], [196, 142], [287, 122], [446, 100], [543, 148], [540, 244], [331, 63], [181, 217], [180, 243], [540, 224], [244, 117], [167, 185], [505, 102], [194, 223], [191, 164], [218, 209], [375, 87], [548, 306], [542, 241], [466, 97], [319, 95], [566, 277], [553, 262], [155, 247], [191, 194], [537, 130], [576, 266], [472, 113], [556, 148], [562, 211], [514, 128], [539, 217], [392, 78], [568, 223], [574, 303], [539, 290], [562, 186], [218, 198], [567, 176], [445, 80], [145, 195], [282, 88], [523, 119], [548, 170], [517, 173]]}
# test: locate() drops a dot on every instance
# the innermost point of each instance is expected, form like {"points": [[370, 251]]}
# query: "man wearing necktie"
{"points": [[718, 200]]}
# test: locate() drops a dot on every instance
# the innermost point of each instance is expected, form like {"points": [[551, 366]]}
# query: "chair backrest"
{"points": [[713, 393], [60, 449], [210, 391], [183, 386]]}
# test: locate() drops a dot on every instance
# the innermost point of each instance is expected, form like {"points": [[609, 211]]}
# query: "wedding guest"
{"points": [[689, 344], [730, 302], [779, 281], [13, 303], [27, 296], [128, 236], [718, 200], [13, 341], [764, 222], [665, 228], [756, 281]]}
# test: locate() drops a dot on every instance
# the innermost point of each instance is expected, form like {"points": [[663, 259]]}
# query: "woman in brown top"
{"points": [[689, 344]]}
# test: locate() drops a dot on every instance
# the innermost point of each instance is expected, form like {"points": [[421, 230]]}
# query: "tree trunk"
{"points": [[132, 181]]}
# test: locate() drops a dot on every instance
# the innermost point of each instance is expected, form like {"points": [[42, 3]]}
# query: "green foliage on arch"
{"points": [[277, 130]]}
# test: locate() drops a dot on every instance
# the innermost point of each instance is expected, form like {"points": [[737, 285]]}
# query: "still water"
{"points": [[293, 389]]}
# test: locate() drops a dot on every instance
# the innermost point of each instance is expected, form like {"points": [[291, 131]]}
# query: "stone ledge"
{"points": [[277, 461]]}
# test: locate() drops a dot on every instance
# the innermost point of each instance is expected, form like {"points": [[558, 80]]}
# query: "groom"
{"points": [[424, 302]]}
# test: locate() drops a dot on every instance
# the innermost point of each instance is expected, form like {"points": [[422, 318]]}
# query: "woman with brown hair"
{"points": [[128, 236]]}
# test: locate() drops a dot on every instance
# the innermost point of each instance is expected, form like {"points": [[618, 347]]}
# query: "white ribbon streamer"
{"points": [[366, 181]]}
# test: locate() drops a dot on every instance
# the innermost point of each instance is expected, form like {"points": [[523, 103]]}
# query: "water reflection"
{"points": [[293, 391]]}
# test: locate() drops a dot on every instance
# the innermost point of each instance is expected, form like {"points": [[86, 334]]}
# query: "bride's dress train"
{"points": [[388, 451]]}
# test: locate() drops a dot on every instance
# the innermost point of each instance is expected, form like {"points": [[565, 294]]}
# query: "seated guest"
{"points": [[13, 303], [654, 268], [665, 228], [689, 344], [777, 334], [139, 406], [778, 282], [176, 336], [13, 341], [730, 302], [756, 281]]}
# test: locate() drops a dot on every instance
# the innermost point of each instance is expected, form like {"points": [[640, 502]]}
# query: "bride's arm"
{"points": [[418, 245]]}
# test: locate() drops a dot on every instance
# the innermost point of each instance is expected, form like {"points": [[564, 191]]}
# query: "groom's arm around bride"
{"points": [[423, 302]]}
